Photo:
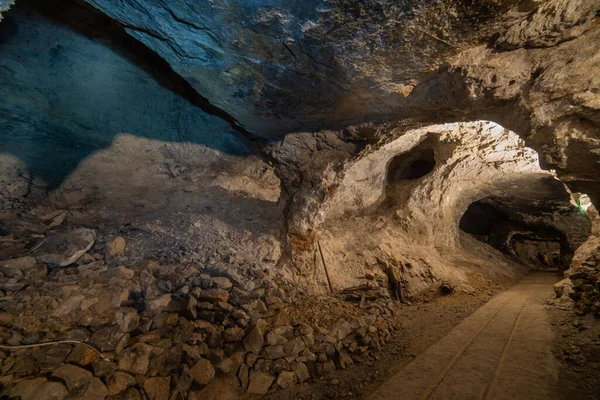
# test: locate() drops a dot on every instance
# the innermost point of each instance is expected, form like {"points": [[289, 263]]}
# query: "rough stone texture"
{"points": [[472, 161], [95, 390], [66, 248], [125, 144], [286, 379], [254, 340], [135, 359], [19, 263], [115, 247], [544, 94], [119, 381], [283, 67], [82, 108], [584, 276], [74, 377], [38, 389], [157, 388], [260, 382], [203, 372]]}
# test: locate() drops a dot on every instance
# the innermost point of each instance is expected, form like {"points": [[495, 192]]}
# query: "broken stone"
{"points": [[38, 389], [222, 283], [129, 394], [103, 368], [342, 359], [11, 286], [165, 286], [301, 371], [74, 377], [274, 303], [221, 388], [126, 272], [254, 340], [214, 295], [95, 390], [260, 382], [184, 381], [189, 308], [65, 248], [243, 376], [225, 366], [282, 318], [294, 347], [274, 352], [328, 367], [166, 361], [203, 371], [107, 339], [157, 388], [135, 359], [18, 263], [127, 319], [57, 220], [87, 258], [280, 365], [251, 359], [306, 329], [275, 339], [160, 302], [119, 381], [24, 366], [234, 334], [239, 297], [340, 330], [286, 379], [50, 357], [115, 247]]}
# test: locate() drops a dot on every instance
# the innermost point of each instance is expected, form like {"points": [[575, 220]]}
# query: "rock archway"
{"points": [[376, 210]]}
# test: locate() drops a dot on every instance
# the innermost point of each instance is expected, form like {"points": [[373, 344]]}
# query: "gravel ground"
{"points": [[577, 347]]}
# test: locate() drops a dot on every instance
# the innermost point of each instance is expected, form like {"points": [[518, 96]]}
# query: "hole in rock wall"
{"points": [[412, 165]]}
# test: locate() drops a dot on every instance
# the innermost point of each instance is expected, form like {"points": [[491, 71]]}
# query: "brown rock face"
{"points": [[115, 247], [203, 372], [260, 382]]}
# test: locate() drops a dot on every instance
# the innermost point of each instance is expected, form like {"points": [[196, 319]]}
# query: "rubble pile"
{"points": [[106, 326], [585, 277]]}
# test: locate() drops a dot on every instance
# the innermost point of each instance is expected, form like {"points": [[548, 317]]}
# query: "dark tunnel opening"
{"points": [[411, 166], [534, 244]]}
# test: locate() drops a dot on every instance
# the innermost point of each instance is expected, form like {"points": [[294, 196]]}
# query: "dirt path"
{"points": [[502, 351]]}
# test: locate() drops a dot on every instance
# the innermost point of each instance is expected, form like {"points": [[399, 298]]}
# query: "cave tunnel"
{"points": [[523, 234], [225, 199]]}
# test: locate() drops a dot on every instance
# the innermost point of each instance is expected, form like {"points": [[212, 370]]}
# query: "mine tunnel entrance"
{"points": [[539, 246]]}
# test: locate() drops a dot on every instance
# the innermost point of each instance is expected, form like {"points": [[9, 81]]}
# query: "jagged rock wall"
{"points": [[282, 67], [88, 128], [245, 58], [547, 96], [360, 218], [67, 95]]}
